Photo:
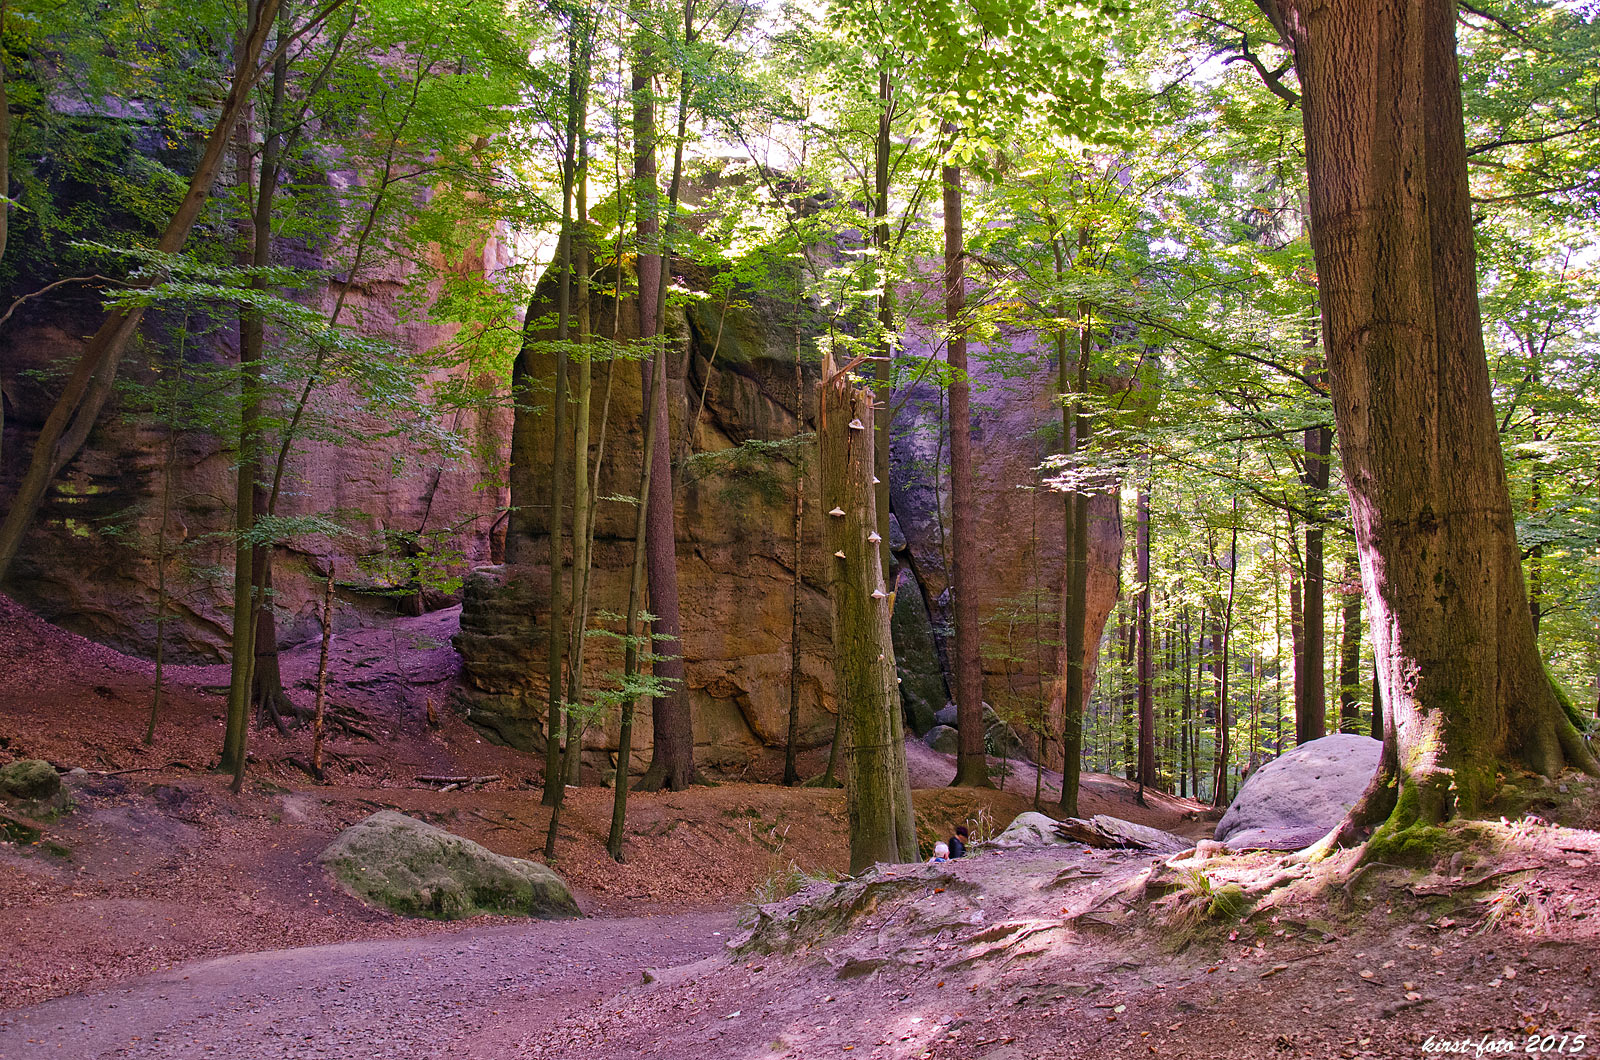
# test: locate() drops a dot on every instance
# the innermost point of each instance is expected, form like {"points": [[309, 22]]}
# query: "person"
{"points": [[958, 842], [941, 853]]}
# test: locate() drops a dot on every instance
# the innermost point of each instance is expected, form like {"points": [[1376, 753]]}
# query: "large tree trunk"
{"points": [[672, 754], [1391, 228], [877, 785], [972, 768]]}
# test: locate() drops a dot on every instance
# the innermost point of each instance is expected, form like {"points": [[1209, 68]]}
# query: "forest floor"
{"points": [[183, 920]]}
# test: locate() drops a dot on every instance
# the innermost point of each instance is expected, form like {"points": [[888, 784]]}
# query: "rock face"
{"points": [[417, 870], [89, 563], [1293, 801], [29, 778], [1016, 426], [732, 382], [732, 390]]}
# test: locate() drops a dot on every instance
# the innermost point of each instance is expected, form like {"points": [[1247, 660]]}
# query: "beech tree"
{"points": [[1465, 691]]}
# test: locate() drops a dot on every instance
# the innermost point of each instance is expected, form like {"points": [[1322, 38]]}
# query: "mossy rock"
{"points": [[414, 869], [1229, 902], [944, 739], [29, 778]]}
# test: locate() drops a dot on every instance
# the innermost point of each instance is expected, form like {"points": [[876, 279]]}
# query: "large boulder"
{"points": [[415, 869], [944, 739], [1293, 801], [1030, 829], [29, 778]]}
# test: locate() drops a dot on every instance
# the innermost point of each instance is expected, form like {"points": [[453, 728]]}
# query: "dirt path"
{"points": [[464, 995]]}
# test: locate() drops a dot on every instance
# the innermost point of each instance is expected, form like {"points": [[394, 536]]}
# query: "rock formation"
{"points": [[89, 563], [735, 519], [1293, 801], [1016, 425], [414, 869]]}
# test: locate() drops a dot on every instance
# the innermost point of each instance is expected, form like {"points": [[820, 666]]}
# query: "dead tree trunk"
{"points": [[877, 786]]}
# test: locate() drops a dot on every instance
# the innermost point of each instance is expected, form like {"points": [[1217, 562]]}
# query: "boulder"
{"points": [[415, 869], [947, 716], [1030, 829], [944, 739], [29, 778], [1002, 741], [1293, 801]]}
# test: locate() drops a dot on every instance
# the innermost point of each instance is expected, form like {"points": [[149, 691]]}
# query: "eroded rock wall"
{"points": [[1016, 425], [90, 561], [735, 368]]}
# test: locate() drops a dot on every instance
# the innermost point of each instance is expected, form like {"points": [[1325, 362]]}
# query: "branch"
{"points": [[1273, 79], [47, 288]]}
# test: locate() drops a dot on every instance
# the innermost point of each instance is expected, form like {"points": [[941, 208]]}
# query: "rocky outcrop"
{"points": [[1016, 426], [732, 391], [734, 409], [414, 869], [90, 563], [1293, 801]]}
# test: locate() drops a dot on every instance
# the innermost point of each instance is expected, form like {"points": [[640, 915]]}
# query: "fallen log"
{"points": [[1113, 833], [457, 781]]}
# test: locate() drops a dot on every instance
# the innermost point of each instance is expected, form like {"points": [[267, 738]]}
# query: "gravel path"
{"points": [[465, 995]]}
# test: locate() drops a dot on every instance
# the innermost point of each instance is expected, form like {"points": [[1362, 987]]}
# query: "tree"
{"points": [[1465, 691], [877, 786]]}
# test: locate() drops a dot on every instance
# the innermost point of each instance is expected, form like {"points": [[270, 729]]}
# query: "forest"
{"points": [[639, 474]]}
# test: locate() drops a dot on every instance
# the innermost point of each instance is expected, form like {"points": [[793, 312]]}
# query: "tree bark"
{"points": [[672, 753], [252, 338], [554, 776], [319, 707], [972, 767], [1224, 746], [633, 631], [883, 368], [1350, 655], [1311, 717], [1075, 591], [791, 748], [877, 785], [1391, 225], [1147, 710]]}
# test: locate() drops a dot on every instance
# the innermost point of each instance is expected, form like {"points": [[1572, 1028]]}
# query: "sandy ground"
{"points": [[468, 994], [163, 916]]}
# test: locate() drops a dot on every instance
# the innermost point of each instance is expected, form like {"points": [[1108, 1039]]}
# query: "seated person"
{"points": [[958, 842], [941, 852]]}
